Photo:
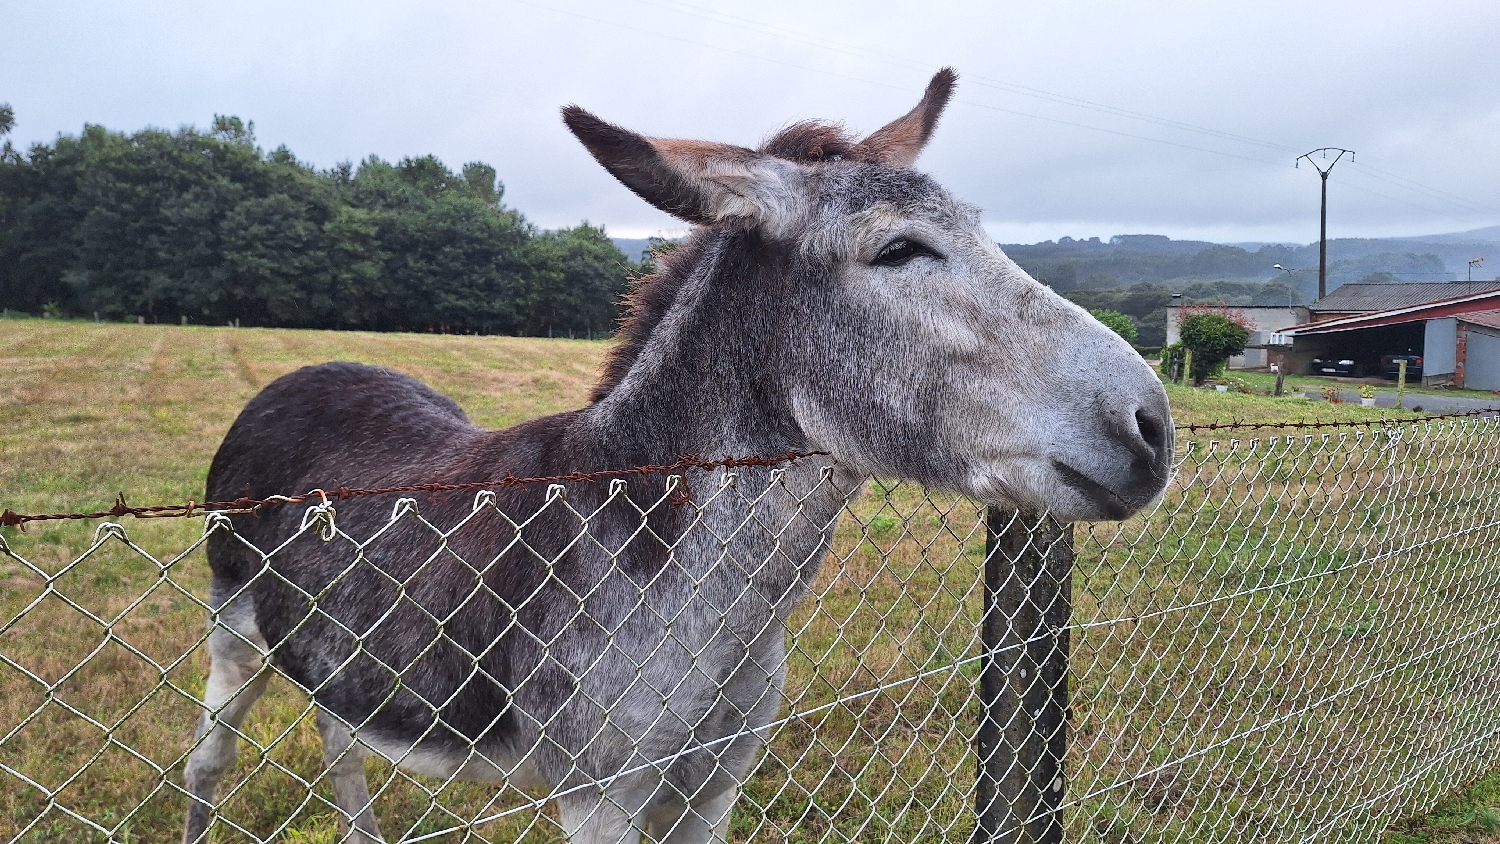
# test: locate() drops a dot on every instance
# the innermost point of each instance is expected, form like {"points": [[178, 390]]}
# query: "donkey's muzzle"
{"points": [[1145, 432]]}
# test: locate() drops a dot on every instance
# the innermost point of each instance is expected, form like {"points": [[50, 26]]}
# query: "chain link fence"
{"points": [[1298, 644]]}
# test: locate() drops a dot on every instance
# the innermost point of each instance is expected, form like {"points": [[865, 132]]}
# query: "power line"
{"points": [[724, 18], [1436, 193], [1348, 184], [727, 19], [902, 88]]}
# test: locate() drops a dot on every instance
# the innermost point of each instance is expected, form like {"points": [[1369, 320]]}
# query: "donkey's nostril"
{"points": [[1152, 430]]}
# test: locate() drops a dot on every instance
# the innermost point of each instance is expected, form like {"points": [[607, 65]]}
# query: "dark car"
{"points": [[1332, 366], [1391, 365]]}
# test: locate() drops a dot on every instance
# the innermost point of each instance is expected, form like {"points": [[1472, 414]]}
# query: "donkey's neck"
{"points": [[706, 380]]}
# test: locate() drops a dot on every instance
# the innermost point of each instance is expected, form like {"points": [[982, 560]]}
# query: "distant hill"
{"points": [[1138, 274], [1124, 260], [1489, 235], [633, 247]]}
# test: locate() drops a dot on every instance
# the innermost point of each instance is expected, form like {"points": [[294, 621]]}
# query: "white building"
{"points": [[1261, 322]]}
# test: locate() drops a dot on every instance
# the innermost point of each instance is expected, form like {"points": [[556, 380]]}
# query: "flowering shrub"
{"points": [[1213, 338]]}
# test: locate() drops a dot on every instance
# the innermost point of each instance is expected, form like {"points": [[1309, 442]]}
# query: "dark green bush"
{"points": [[1117, 322]]}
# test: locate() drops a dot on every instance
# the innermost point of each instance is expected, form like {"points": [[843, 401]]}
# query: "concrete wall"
{"points": [[1439, 357], [1482, 359]]}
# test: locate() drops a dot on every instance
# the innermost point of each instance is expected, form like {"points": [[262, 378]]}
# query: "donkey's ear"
{"points": [[898, 142], [696, 181]]}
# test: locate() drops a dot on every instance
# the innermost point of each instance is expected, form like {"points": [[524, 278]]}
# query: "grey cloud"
{"points": [[1409, 87]]}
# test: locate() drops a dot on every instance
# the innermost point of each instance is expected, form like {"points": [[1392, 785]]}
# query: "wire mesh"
{"points": [[1297, 644]]}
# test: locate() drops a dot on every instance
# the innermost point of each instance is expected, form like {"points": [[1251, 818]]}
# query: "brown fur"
{"points": [[809, 142], [897, 143], [644, 306]]}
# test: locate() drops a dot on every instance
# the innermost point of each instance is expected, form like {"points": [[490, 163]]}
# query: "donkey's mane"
{"points": [[651, 296]]}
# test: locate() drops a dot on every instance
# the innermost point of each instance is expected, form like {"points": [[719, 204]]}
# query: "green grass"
{"points": [[1265, 382], [1468, 816], [89, 411]]}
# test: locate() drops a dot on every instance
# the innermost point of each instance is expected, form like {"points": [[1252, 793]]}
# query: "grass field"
{"points": [[90, 411]]}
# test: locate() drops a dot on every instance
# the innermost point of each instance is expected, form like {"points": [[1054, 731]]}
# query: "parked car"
{"points": [[1332, 366], [1391, 364]]}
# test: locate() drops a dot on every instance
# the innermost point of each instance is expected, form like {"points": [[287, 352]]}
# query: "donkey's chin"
{"points": [[1055, 487], [1105, 503]]}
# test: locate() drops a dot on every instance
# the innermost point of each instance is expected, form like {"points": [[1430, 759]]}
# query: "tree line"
{"points": [[208, 227]]}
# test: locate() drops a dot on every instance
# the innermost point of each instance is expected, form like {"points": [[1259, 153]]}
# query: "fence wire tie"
{"points": [[320, 515]]}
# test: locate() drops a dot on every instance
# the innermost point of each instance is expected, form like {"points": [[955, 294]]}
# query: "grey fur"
{"points": [[633, 672]]}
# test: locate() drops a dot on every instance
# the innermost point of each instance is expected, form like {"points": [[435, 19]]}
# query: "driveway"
{"points": [[1429, 402]]}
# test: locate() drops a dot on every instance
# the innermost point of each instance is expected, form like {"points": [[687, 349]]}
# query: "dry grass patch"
{"points": [[1319, 565]]}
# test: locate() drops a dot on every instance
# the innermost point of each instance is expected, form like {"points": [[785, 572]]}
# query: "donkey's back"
{"points": [[338, 422]]}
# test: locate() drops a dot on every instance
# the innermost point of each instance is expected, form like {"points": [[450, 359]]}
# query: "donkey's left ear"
{"points": [[899, 142], [696, 181]]}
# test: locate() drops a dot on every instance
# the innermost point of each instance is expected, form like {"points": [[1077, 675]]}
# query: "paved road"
{"points": [[1428, 402]]}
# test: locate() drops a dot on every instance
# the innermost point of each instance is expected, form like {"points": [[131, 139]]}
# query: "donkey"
{"points": [[830, 299]]}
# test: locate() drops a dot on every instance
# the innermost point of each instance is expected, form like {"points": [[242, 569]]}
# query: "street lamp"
{"points": [[1289, 274]]}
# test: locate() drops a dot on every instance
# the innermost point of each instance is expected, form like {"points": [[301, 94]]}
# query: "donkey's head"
{"points": [[903, 341]]}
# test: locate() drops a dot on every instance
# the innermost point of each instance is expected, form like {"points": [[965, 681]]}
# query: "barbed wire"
{"points": [[1240, 425], [245, 504], [121, 508]]}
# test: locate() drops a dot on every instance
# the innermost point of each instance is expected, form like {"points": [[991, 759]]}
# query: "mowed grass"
{"points": [[880, 692]]}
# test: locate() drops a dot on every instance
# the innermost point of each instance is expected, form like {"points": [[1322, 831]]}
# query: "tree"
{"points": [[208, 226], [1064, 276], [7, 119], [579, 276], [1276, 293], [1117, 322], [1213, 337]]}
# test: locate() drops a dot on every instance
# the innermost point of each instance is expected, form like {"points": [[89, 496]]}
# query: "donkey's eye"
{"points": [[898, 252]]}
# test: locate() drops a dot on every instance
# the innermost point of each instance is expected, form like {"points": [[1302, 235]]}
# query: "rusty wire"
{"points": [[1365, 423], [11, 518], [245, 504]]}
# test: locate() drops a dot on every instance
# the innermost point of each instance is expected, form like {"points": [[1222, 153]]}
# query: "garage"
{"points": [[1457, 340]]}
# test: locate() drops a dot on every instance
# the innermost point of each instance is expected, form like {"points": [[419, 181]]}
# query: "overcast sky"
{"points": [[1227, 94]]}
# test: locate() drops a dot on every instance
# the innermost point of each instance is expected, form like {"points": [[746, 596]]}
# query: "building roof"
{"points": [[1482, 302], [1382, 297], [1489, 318]]}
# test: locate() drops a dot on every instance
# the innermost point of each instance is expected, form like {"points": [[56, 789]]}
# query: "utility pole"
{"points": [[1323, 225]]}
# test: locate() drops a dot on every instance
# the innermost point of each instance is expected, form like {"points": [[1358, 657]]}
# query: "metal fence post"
{"points": [[1023, 682]]}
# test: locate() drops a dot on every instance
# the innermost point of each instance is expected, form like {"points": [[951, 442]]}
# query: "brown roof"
{"points": [[1458, 306], [1356, 297], [1490, 318]]}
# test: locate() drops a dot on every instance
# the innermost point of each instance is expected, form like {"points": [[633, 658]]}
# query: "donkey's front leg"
{"points": [[346, 770], [704, 821], [236, 678], [592, 817]]}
